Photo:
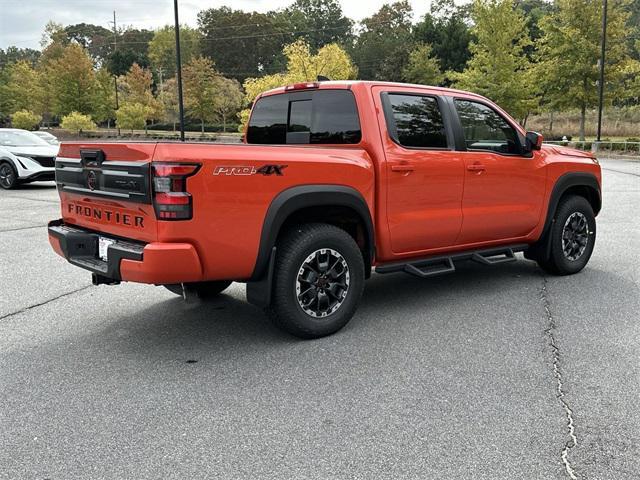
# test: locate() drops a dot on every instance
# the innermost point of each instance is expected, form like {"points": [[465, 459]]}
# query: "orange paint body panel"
{"points": [[164, 263], [421, 201]]}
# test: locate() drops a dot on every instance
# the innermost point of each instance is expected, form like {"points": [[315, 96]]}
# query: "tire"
{"points": [[325, 262], [574, 219], [8, 176], [204, 290]]}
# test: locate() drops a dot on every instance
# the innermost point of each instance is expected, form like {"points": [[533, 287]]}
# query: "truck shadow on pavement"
{"points": [[230, 322], [391, 303]]}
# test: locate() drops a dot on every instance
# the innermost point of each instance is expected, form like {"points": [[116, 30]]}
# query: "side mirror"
{"points": [[534, 140]]}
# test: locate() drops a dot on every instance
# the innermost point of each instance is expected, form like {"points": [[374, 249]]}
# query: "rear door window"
{"points": [[307, 117], [415, 121]]}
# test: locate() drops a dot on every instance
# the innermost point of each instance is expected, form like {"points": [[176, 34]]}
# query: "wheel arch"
{"points": [[335, 204], [311, 203], [576, 183], [573, 183]]}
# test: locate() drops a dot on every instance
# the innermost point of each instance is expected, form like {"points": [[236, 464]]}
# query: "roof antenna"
{"points": [[322, 78]]}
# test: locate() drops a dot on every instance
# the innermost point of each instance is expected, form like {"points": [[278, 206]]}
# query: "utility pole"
{"points": [[179, 71], [115, 49], [602, 57]]}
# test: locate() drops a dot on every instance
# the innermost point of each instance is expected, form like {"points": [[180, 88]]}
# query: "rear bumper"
{"points": [[128, 260]]}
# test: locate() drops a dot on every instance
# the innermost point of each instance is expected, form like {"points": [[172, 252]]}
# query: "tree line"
{"points": [[529, 56]]}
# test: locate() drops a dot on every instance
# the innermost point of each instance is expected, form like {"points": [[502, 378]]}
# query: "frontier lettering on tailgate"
{"points": [[110, 216]]}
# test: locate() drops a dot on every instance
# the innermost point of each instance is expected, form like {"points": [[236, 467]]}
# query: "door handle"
{"points": [[402, 168], [476, 167]]}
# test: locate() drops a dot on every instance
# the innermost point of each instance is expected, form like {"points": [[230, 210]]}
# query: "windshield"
{"points": [[20, 139]]}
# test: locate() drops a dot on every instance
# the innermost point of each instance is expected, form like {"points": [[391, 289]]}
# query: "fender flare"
{"points": [[285, 204], [566, 181], [563, 183]]}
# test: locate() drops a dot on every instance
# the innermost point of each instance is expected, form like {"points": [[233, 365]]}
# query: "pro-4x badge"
{"points": [[246, 170]]}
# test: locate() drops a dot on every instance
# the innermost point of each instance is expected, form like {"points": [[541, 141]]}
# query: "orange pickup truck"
{"points": [[333, 179]]}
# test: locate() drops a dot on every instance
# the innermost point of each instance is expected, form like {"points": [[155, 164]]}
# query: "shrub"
{"points": [[77, 122], [26, 119]]}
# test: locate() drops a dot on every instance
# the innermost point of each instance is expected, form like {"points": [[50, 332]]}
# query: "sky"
{"points": [[22, 22]]}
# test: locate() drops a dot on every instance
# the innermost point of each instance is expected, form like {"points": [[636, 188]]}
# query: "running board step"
{"points": [[430, 267]]}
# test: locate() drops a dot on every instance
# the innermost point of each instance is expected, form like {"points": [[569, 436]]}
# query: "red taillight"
{"points": [[301, 86], [170, 197]]}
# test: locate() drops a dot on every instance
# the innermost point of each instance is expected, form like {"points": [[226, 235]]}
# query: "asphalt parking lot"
{"points": [[480, 374]]}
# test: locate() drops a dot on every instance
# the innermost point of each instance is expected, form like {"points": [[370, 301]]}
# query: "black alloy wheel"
{"points": [[8, 176]]}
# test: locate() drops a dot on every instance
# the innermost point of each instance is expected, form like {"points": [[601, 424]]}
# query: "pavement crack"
{"points": [[21, 228], [620, 171], [62, 295], [31, 199], [549, 331]]}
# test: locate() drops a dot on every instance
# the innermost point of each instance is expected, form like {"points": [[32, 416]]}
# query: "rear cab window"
{"points": [[308, 117]]}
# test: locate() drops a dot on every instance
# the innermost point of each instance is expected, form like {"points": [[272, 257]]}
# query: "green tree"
{"points": [[168, 96], [199, 78], [26, 120], [569, 52], [53, 43], [132, 116], [499, 69], [423, 67], [446, 28], [136, 87], [318, 22], [95, 39], [227, 100], [72, 81], [104, 101], [132, 47], [13, 54], [162, 48], [633, 24], [381, 51], [331, 61], [120, 61], [243, 44], [534, 11], [77, 122], [21, 89]]}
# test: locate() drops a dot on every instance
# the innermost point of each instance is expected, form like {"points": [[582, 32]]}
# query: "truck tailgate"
{"points": [[106, 187]]}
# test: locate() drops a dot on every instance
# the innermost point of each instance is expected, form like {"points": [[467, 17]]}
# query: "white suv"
{"points": [[25, 157]]}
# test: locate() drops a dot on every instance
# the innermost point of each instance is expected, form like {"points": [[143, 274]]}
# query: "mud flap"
{"points": [[259, 291]]}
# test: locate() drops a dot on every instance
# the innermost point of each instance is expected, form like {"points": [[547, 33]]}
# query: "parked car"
{"points": [[335, 179], [24, 158], [47, 137]]}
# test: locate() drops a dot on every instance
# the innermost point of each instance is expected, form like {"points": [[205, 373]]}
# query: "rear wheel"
{"points": [[573, 236], [318, 280], [8, 176], [203, 290]]}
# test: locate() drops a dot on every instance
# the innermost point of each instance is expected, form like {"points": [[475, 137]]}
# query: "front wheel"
{"points": [[318, 280], [8, 176], [573, 236]]}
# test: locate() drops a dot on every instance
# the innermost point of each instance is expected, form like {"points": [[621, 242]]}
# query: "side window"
{"points": [[417, 121], [268, 123], [299, 125], [309, 117], [485, 129]]}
